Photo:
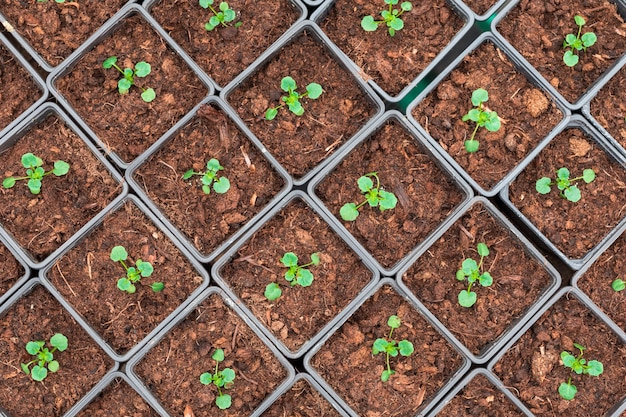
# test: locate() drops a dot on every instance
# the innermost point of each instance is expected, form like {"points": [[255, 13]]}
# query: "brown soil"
{"points": [[532, 367], [87, 278], [208, 219], [225, 52], [345, 360], [527, 114], [55, 30], [41, 223], [10, 270], [173, 367], [405, 169], [537, 30], [125, 123], [118, 399], [302, 400], [571, 226], [38, 316], [518, 279], [392, 62], [609, 107], [300, 312], [301, 142], [480, 7]]}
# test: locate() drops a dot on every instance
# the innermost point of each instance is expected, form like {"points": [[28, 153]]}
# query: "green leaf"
{"points": [[485, 279], [483, 249], [570, 60], [125, 285], [228, 375], [229, 15], [314, 90], [543, 185], [53, 366], [290, 275], [394, 322], [471, 146], [8, 182], [289, 259], [568, 359], [206, 3], [118, 253], [123, 86], [206, 378], [188, 174], [145, 268], [157, 286], [570, 40], [25, 368], [467, 299], [567, 391], [272, 291], [469, 265], [386, 374], [594, 368], [39, 373], [480, 95], [493, 122], [210, 26], [218, 355], [396, 24], [271, 113], [288, 84], [142, 69], [380, 345], [60, 168], [33, 347], [460, 275], [31, 161], [387, 201], [315, 258], [580, 21], [223, 401], [406, 6], [148, 95], [34, 186], [296, 108], [368, 24], [473, 115], [589, 175], [214, 165], [349, 212], [222, 185], [572, 193], [304, 278], [588, 39], [618, 285], [365, 184], [108, 63], [59, 341], [405, 347]]}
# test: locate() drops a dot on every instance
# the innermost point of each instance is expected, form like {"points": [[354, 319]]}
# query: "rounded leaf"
{"points": [[589, 175], [467, 299], [304, 278], [289, 259], [473, 115], [314, 90], [33, 347], [493, 122], [34, 186], [60, 168], [365, 183], [471, 146], [214, 165], [480, 95], [142, 69], [288, 84], [8, 182], [396, 24], [123, 86], [385, 375], [579, 20], [394, 321], [595, 368], [145, 268], [572, 194], [460, 275], [380, 345], [228, 375], [206, 378], [387, 201], [218, 355], [222, 185], [118, 253], [124, 284], [108, 63], [188, 174], [315, 258], [272, 291], [157, 286], [469, 265], [485, 279], [567, 391], [543, 185], [405, 347], [271, 113], [483, 249], [368, 24], [53, 366], [570, 59], [618, 285], [588, 39], [570, 40], [148, 95], [31, 161], [229, 15], [568, 359], [296, 108], [38, 373], [349, 212], [25, 368], [59, 341], [209, 25], [223, 401], [406, 6]]}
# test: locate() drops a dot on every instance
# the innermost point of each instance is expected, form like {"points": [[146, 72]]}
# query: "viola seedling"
{"points": [[578, 364], [133, 273], [35, 172], [391, 347], [564, 183], [221, 18], [473, 271], [292, 99], [142, 69], [391, 18], [220, 185], [375, 196], [577, 43], [45, 357], [296, 274], [221, 379], [618, 285], [482, 117]]}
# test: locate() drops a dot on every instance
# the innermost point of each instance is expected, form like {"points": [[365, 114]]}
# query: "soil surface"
{"points": [[301, 142], [172, 368], [532, 366], [302, 400], [609, 107], [38, 316], [527, 115], [41, 223], [10, 269], [87, 278], [54, 29], [300, 312], [537, 30], [118, 399], [208, 219], [518, 280], [569, 225], [345, 360], [480, 7], [225, 52], [392, 62], [125, 124], [426, 195]]}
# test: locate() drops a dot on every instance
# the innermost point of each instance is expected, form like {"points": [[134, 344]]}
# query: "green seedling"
{"points": [[577, 43], [296, 274], [142, 69], [35, 172], [579, 365], [482, 117], [45, 359], [618, 285], [221, 18], [375, 196], [221, 379], [391, 348], [391, 18], [133, 273], [220, 185], [292, 99], [473, 271], [564, 183]]}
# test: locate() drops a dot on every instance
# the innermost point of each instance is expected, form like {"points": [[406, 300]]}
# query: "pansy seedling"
{"points": [[295, 275], [473, 272], [390, 18], [375, 196], [221, 379], [133, 273], [44, 357], [142, 69], [567, 188], [577, 43], [391, 348], [35, 172], [482, 117], [210, 177], [292, 99], [579, 365]]}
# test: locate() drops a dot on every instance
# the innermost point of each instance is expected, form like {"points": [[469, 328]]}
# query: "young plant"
{"points": [[45, 359], [292, 99], [35, 172], [134, 273], [224, 16], [564, 183], [480, 116], [473, 271], [391, 18], [375, 196], [567, 390], [577, 43], [618, 285], [296, 274], [142, 69], [221, 379], [391, 348], [220, 185]]}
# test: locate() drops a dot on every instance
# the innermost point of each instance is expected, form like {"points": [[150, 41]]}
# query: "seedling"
{"points": [[296, 274], [473, 271], [375, 196], [564, 183], [391, 348], [618, 285], [35, 172], [292, 99], [391, 18], [482, 117], [134, 273], [45, 359], [567, 390], [577, 43], [220, 185], [142, 69], [221, 379], [221, 18]]}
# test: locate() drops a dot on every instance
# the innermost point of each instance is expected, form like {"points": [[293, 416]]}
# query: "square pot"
{"points": [[14, 271]]}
